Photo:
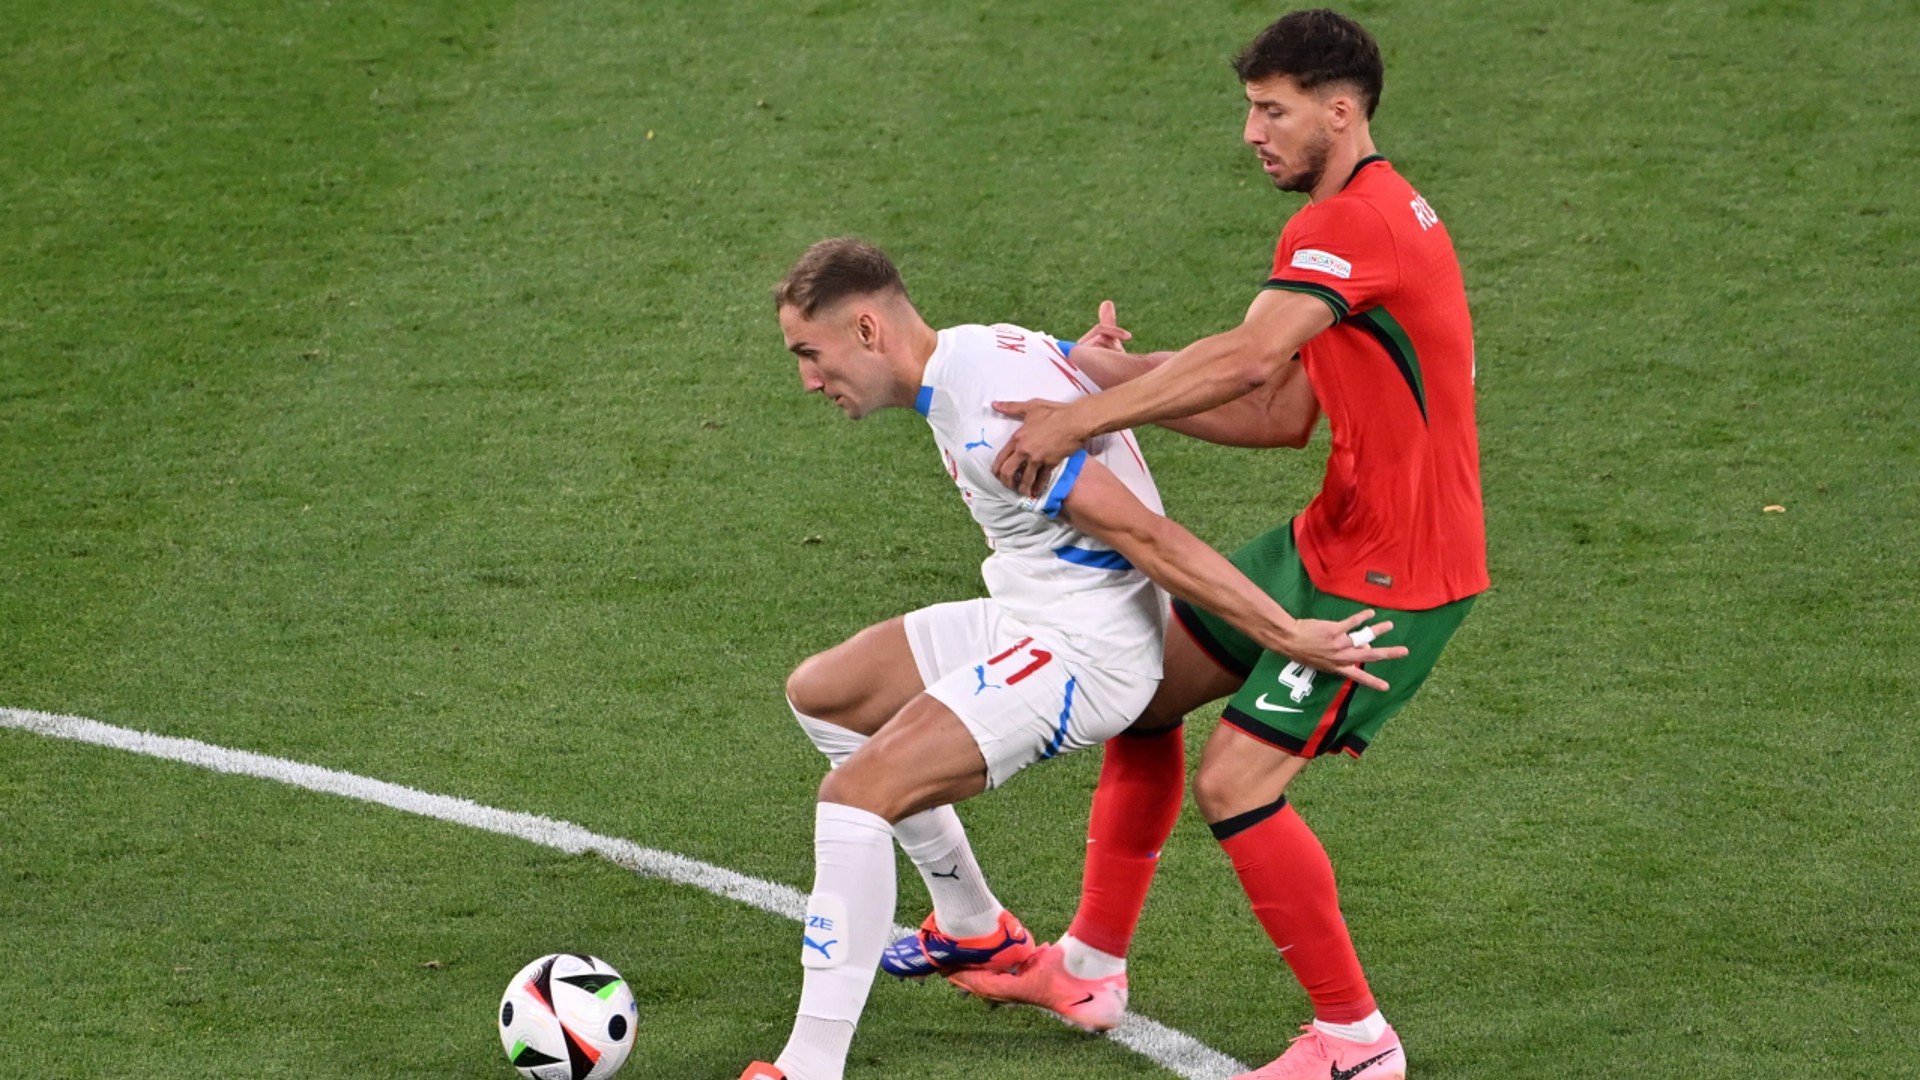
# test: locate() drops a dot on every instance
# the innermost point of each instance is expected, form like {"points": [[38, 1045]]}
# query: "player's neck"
{"points": [[921, 343], [1347, 155]]}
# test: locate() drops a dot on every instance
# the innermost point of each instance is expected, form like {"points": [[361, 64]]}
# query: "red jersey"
{"points": [[1397, 523]]}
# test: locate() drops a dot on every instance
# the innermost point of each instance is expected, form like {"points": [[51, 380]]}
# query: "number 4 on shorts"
{"points": [[1297, 678]]}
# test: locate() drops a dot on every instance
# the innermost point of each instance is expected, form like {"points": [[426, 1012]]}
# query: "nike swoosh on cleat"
{"points": [[1335, 1072], [1261, 703], [1082, 1001]]}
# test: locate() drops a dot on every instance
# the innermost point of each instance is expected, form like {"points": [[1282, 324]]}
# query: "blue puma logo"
{"points": [[981, 442], [980, 671], [812, 944]]}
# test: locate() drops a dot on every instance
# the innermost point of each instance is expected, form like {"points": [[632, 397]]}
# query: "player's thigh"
{"points": [[1272, 562], [1207, 657], [1190, 677], [924, 757], [1310, 713], [860, 683], [1239, 773], [1025, 700]]}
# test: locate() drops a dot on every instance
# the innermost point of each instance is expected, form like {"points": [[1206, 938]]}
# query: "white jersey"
{"points": [[1042, 571]]}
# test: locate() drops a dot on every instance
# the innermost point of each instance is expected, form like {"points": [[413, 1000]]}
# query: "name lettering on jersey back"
{"points": [[1424, 214], [1009, 340]]}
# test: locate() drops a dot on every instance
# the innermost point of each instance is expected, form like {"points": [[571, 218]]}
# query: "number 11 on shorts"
{"points": [[1038, 659]]}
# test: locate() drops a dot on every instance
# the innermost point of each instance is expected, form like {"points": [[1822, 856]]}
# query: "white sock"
{"points": [[1083, 961], [817, 1049], [963, 905], [934, 839], [1363, 1032], [849, 917]]}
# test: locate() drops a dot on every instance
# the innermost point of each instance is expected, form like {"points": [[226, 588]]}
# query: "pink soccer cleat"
{"points": [[760, 1070], [1044, 982], [1316, 1055]]}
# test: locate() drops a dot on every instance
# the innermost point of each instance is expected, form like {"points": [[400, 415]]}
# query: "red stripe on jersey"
{"points": [[1064, 370]]}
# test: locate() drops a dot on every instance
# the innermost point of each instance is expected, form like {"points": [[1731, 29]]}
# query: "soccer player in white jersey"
{"points": [[922, 711]]}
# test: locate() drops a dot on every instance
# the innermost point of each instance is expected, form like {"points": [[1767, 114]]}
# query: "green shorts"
{"points": [[1296, 708]]}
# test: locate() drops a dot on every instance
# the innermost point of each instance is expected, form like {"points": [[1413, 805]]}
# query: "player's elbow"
{"points": [[1255, 362], [1251, 372]]}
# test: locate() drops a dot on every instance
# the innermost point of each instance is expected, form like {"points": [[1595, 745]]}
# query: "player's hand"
{"points": [[1341, 647], [1106, 334], [1047, 438]]}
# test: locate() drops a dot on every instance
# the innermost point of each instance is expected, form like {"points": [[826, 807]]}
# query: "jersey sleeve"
{"points": [[1340, 252], [1059, 486]]}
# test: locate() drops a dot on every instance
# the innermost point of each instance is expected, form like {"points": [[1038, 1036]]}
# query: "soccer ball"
{"points": [[567, 1017]]}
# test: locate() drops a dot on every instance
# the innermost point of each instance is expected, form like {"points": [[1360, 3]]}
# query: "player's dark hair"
{"points": [[1315, 48], [834, 270]]}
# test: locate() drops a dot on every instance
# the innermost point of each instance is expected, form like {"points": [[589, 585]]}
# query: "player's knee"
{"points": [[1212, 793], [861, 788], [810, 690], [1222, 791]]}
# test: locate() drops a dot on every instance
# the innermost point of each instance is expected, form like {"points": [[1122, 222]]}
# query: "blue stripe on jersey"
{"points": [[1064, 486], [923, 402], [1066, 348], [1060, 736], [1099, 560]]}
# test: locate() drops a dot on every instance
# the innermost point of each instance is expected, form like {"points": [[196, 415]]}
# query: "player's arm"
{"points": [[1283, 412], [1109, 368], [1206, 374], [1179, 562]]}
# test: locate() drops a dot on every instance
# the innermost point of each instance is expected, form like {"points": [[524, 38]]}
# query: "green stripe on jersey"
{"points": [[1385, 329]]}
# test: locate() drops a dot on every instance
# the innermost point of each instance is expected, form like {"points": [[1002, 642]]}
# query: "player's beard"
{"points": [[1313, 164]]}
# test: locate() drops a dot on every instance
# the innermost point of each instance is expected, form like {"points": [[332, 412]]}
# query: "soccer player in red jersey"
{"points": [[1363, 317]]}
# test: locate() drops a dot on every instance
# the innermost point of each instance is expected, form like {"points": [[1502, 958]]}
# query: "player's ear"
{"points": [[1342, 109]]}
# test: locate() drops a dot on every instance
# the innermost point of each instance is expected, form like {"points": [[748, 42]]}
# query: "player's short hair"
{"points": [[835, 270], [1315, 48]]}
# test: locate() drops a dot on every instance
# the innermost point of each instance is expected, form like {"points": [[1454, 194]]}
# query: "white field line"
{"points": [[1176, 1051]]}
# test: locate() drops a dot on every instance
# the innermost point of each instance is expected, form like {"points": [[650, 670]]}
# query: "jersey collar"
{"points": [[1364, 162]]}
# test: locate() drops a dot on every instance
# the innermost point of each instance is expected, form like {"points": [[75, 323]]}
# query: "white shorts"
{"points": [[1020, 700]]}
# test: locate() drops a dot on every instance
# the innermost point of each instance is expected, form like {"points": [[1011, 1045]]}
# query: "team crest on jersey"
{"points": [[1325, 263]]}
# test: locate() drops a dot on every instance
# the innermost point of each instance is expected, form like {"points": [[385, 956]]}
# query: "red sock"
{"points": [[1143, 780], [1288, 877]]}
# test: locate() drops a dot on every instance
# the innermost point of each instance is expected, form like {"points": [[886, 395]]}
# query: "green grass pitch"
{"points": [[393, 387]]}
